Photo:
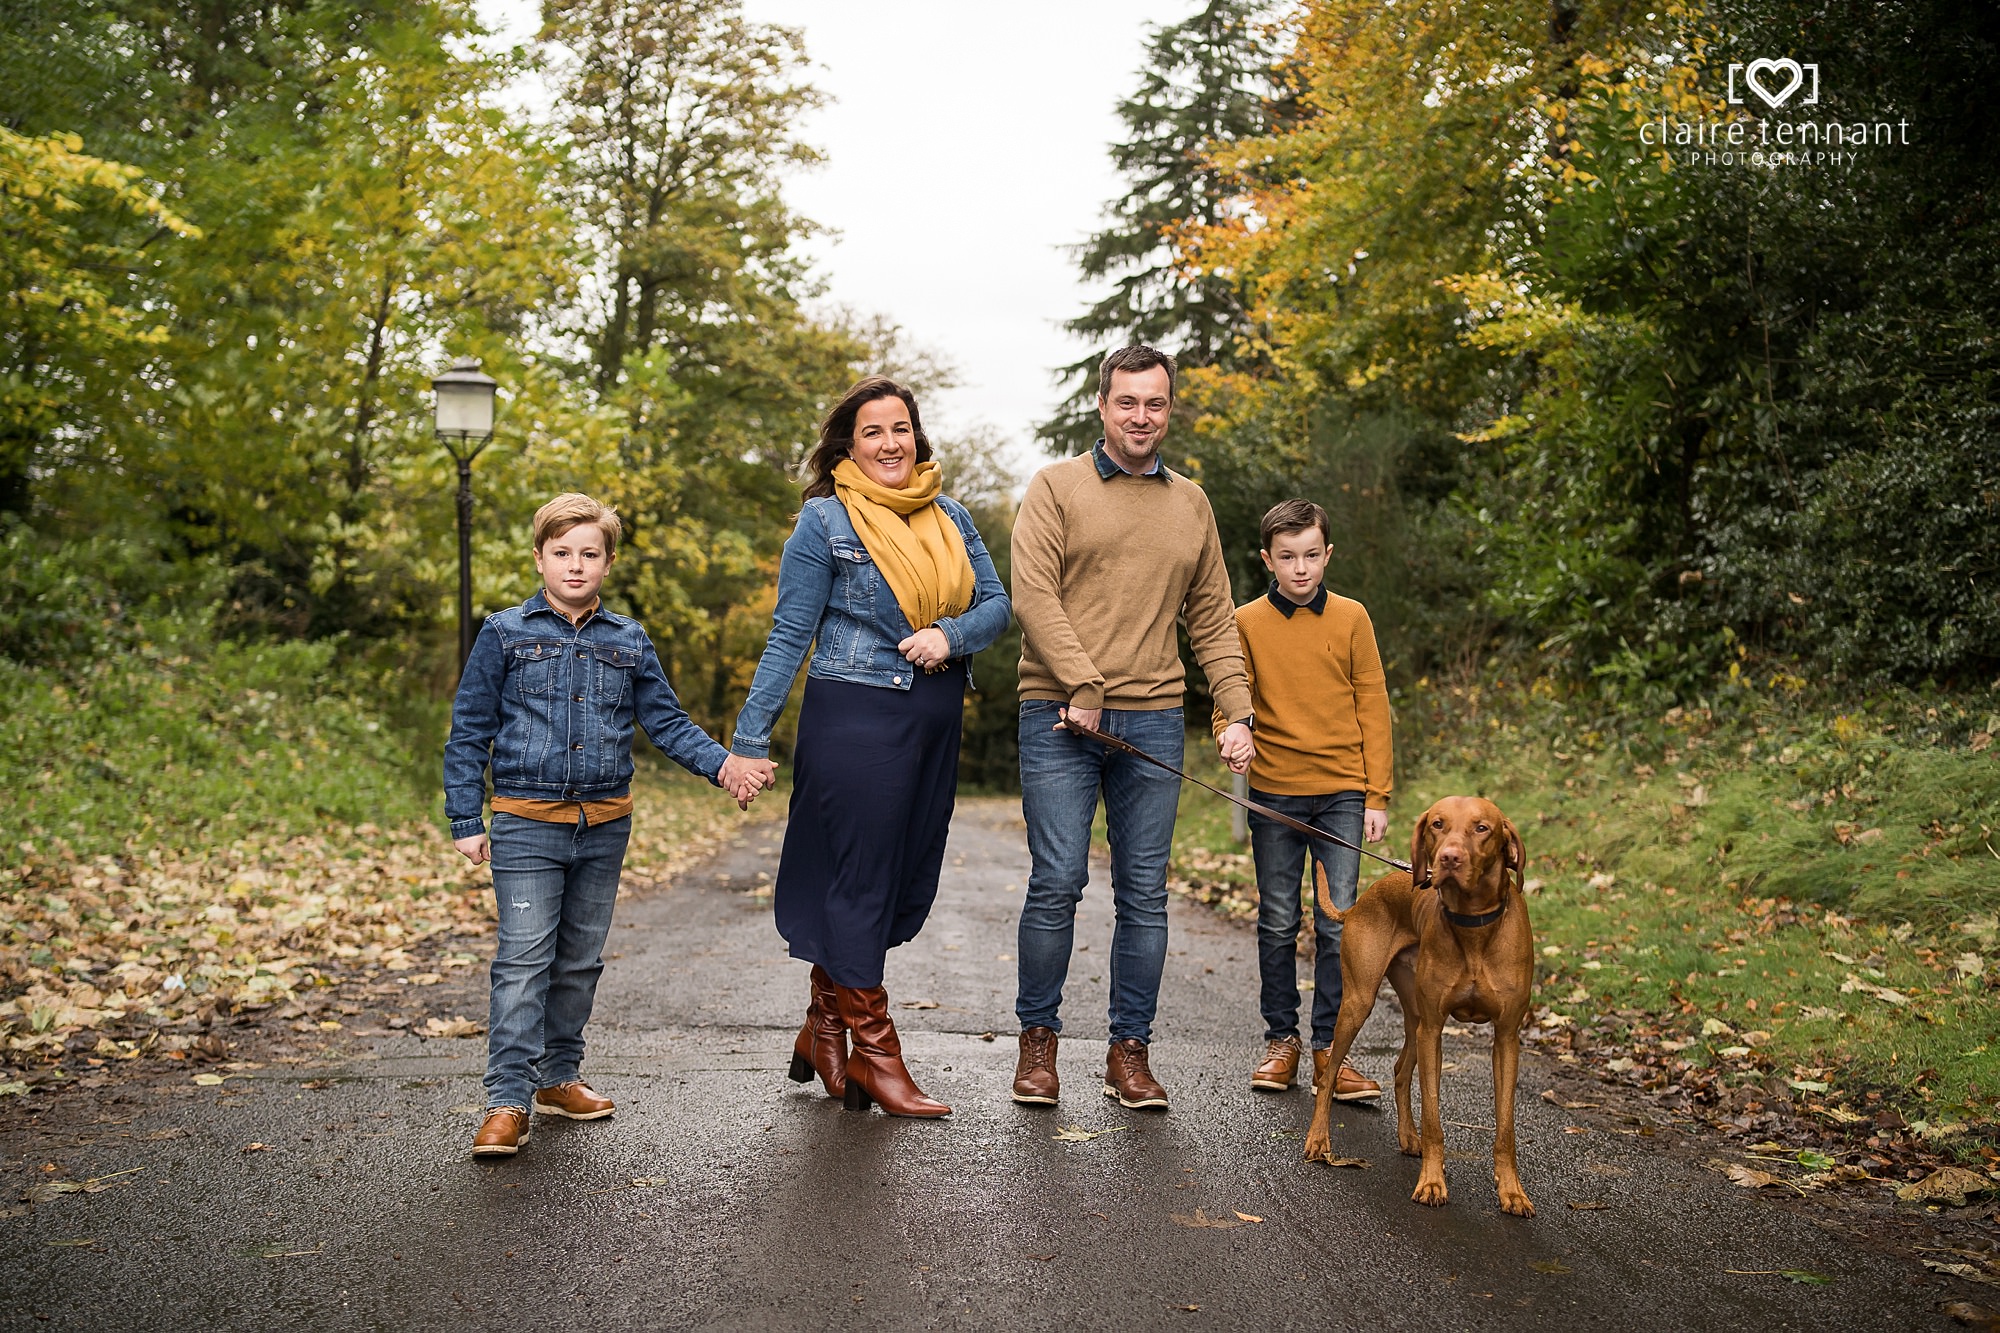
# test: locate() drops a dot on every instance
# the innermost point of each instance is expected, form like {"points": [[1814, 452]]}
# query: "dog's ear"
{"points": [[1420, 849], [1517, 856]]}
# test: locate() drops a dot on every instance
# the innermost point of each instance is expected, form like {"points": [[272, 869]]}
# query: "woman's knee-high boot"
{"points": [[875, 1070], [822, 1044]]}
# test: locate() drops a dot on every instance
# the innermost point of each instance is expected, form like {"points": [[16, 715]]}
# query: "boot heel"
{"points": [[855, 1099], [801, 1070]]}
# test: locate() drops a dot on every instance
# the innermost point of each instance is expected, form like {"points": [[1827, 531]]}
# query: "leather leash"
{"points": [[1254, 807]]}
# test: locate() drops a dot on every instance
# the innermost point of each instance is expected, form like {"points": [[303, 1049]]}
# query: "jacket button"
{"points": [[577, 698], [576, 747], [898, 681], [579, 654]]}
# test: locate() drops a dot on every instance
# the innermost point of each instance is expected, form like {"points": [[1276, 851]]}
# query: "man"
{"points": [[1111, 548]]}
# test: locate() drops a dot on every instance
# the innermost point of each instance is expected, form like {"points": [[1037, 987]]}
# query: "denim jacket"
{"points": [[550, 706], [832, 599]]}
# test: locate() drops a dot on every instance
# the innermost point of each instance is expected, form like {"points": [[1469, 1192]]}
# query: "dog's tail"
{"points": [[1324, 894]]}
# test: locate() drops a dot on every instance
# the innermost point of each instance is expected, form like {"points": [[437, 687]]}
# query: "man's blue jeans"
{"points": [[555, 885], [1061, 775], [1280, 854]]}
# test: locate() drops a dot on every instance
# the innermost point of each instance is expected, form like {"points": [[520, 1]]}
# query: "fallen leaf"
{"points": [[1549, 1096], [256, 1147], [1947, 1185], [1250, 1217], [1078, 1134], [650, 1182], [1550, 1266], [452, 1027], [1358, 1163], [1198, 1218], [14, 1089], [75, 1242], [1883, 993], [1587, 1206], [1970, 1315], [208, 1080], [1749, 1177], [920, 1004]]}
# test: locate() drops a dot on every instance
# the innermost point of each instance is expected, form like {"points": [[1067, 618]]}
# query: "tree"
{"points": [[1210, 79]]}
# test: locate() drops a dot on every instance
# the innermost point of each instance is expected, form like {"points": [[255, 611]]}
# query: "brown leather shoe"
{"points": [[1127, 1077], [875, 1069], [1035, 1082], [1348, 1085], [1280, 1066], [573, 1101], [501, 1133], [822, 1044]]}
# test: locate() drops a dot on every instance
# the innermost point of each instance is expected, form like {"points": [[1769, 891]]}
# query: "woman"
{"points": [[887, 581]]}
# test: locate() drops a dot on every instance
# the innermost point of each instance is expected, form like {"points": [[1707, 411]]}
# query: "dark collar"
{"points": [[1285, 604], [1108, 469], [1471, 922], [540, 603]]}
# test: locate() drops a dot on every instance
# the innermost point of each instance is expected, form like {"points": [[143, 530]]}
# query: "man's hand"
{"points": [[1236, 747], [474, 847], [1071, 715], [1374, 825], [743, 777], [927, 648]]}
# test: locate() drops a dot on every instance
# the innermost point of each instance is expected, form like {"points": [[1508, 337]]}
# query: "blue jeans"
{"points": [[1280, 854], [555, 885], [1061, 774]]}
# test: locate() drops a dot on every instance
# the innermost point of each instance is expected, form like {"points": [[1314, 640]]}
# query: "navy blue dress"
{"points": [[875, 775]]}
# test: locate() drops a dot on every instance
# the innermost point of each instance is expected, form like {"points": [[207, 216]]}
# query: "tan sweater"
{"points": [[1321, 698], [1103, 567]]}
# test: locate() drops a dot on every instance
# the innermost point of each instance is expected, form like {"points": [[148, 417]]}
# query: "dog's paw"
{"points": [[1409, 1143], [1515, 1203], [1430, 1193]]}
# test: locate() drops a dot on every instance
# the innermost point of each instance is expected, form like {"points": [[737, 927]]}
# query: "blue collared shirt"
{"points": [[1109, 467]]}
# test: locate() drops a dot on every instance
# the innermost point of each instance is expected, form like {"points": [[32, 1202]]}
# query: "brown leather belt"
{"points": [[1254, 807]]}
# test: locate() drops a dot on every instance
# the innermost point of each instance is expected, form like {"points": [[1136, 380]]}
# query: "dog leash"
{"points": [[1254, 807]]}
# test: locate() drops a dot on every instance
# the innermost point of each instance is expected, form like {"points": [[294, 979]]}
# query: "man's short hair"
{"points": [[573, 509], [1137, 357], [1294, 516]]}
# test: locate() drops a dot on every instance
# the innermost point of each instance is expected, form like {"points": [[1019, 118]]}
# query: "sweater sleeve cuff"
{"points": [[1088, 696]]}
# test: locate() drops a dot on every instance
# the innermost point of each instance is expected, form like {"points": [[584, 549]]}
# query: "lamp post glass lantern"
{"points": [[464, 424]]}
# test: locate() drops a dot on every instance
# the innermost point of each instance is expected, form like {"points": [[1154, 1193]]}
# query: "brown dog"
{"points": [[1459, 946]]}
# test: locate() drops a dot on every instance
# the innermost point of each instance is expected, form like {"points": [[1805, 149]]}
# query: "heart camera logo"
{"points": [[1774, 81]]}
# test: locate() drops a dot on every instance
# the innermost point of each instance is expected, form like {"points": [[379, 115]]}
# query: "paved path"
{"points": [[724, 1196]]}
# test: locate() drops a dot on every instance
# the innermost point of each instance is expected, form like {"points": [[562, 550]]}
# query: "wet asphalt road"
{"points": [[724, 1196]]}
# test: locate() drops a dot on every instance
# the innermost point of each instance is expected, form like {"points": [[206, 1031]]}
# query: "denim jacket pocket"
{"points": [[612, 672], [532, 665]]}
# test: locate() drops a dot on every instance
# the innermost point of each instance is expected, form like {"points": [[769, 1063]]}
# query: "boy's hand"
{"points": [[1374, 825], [744, 777], [1236, 747], [473, 846]]}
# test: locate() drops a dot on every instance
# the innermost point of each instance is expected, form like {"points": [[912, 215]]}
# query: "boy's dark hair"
{"points": [[1294, 516], [1137, 357]]}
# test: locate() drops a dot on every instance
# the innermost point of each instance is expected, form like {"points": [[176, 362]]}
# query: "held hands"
{"points": [[743, 778], [927, 648], [1374, 825], [1236, 747], [474, 847]]}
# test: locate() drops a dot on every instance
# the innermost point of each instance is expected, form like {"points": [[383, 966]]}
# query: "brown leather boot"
{"points": [[1035, 1082], [502, 1132], [822, 1044], [1348, 1085], [875, 1070], [575, 1100], [1279, 1067], [1127, 1077]]}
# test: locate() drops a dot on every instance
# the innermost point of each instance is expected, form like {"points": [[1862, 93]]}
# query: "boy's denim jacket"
{"points": [[832, 599], [554, 703]]}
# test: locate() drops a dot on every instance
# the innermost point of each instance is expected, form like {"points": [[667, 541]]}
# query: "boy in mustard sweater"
{"points": [[1323, 756]]}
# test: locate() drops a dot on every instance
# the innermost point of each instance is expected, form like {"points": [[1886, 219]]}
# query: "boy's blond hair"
{"points": [[573, 509]]}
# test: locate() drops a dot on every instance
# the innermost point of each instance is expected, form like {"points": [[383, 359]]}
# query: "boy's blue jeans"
{"points": [[1061, 775], [1280, 854], [555, 885]]}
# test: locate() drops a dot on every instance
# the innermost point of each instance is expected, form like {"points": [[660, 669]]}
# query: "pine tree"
{"points": [[1209, 78]]}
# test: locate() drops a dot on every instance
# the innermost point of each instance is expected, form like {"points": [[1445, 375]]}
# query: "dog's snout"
{"points": [[1451, 855]]}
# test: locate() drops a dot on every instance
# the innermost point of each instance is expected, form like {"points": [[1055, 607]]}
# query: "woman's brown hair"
{"points": [[836, 433]]}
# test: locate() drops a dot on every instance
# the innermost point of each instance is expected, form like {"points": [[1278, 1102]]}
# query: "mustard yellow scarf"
{"points": [[913, 541]]}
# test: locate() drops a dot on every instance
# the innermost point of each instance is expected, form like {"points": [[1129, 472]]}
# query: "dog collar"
{"points": [[1461, 919]]}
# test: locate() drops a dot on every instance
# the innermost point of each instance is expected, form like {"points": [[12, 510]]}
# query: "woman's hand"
{"points": [[473, 846], [743, 777], [927, 648]]}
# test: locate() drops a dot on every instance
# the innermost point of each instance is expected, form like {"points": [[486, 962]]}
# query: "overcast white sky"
{"points": [[966, 147]]}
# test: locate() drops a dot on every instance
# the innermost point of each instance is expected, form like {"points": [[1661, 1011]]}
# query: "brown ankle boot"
{"points": [[822, 1044], [875, 1069]]}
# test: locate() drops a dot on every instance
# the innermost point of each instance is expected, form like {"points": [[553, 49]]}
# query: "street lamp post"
{"points": [[464, 425]]}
